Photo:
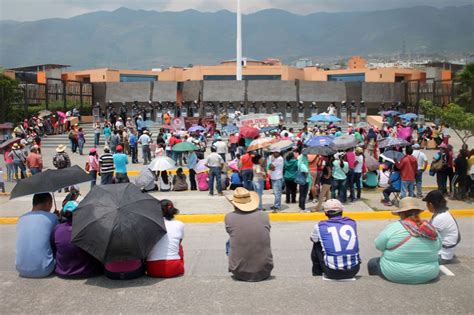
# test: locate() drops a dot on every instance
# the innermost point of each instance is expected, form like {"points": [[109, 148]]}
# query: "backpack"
{"points": [[61, 161], [71, 135]]}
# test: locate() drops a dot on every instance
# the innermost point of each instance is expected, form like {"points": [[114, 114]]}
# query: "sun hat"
{"points": [[15, 146], [359, 150], [333, 206], [407, 204], [119, 148], [61, 148], [70, 206], [416, 146], [244, 200], [145, 131], [93, 150]]}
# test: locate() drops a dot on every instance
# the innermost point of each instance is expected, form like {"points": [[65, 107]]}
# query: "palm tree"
{"points": [[465, 87]]}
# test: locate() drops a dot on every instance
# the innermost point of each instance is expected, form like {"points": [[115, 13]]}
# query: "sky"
{"points": [[30, 10]]}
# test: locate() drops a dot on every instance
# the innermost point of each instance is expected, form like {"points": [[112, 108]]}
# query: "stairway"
{"points": [[53, 141]]}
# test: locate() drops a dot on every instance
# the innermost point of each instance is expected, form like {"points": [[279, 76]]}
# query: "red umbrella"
{"points": [[249, 132]]}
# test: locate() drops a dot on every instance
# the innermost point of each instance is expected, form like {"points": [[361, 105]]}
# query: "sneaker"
{"points": [[388, 203], [211, 194], [220, 194]]}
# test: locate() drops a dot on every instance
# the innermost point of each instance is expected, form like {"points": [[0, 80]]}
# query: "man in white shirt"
{"points": [[221, 148], [358, 164], [214, 162], [276, 176], [145, 141], [422, 161]]}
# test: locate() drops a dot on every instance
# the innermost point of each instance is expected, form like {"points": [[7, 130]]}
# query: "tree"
{"points": [[465, 80], [460, 121], [9, 94]]}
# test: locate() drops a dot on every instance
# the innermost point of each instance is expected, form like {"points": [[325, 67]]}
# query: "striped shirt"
{"points": [[106, 163]]}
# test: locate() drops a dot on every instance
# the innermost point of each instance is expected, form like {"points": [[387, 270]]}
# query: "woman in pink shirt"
{"points": [[9, 164], [93, 161]]}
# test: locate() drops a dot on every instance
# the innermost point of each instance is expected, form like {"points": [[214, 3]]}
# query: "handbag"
{"points": [[87, 167], [436, 165], [300, 179]]}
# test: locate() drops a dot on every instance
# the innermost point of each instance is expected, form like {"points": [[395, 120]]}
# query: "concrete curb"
{"points": [[291, 217]]}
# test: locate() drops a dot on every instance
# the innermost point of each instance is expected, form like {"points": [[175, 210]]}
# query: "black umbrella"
{"points": [[325, 151], [344, 142], [117, 222], [50, 181]]}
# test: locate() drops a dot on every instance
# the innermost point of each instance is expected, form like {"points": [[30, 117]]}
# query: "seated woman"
{"points": [[203, 181], [124, 269], [71, 261], [409, 247], [166, 259], [371, 179], [179, 181], [445, 224], [395, 184], [235, 180], [164, 182]]}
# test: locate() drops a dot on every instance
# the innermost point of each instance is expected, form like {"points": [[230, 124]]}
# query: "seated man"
{"points": [[336, 246], [395, 184], [71, 261], [250, 257], [34, 255]]}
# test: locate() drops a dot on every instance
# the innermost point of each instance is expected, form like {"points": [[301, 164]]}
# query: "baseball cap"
{"points": [[333, 206], [416, 146], [119, 148]]}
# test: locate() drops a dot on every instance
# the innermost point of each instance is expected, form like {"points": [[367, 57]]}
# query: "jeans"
{"points": [[408, 187], [357, 182], [178, 158], [80, 145], [373, 267], [290, 189], [121, 178], [340, 186], [247, 176], [107, 178], [125, 275], [233, 148], [93, 174], [2, 187], [134, 152], [442, 180], [73, 145], [192, 179], [303, 193], [387, 191], [35, 170], [350, 184], [10, 172], [419, 182], [258, 186], [215, 173], [277, 185], [319, 267], [146, 154], [19, 166], [96, 139]]}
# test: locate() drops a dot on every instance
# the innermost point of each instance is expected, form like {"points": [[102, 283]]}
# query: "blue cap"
{"points": [[70, 206]]}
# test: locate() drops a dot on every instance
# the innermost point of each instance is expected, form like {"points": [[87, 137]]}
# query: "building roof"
{"points": [[42, 67]]}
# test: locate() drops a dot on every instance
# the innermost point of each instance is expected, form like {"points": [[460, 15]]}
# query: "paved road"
{"points": [[208, 288]]}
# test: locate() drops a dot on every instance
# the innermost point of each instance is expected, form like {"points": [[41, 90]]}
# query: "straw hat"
{"points": [[407, 204], [61, 148], [15, 146], [359, 150], [244, 200]]}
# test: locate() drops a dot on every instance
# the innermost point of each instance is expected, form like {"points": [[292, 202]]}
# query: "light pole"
{"points": [[238, 60]]}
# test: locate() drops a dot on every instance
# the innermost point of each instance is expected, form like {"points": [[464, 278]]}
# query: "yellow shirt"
{"points": [[470, 163]]}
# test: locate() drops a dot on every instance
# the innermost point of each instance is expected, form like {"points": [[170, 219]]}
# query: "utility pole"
{"points": [[238, 60]]}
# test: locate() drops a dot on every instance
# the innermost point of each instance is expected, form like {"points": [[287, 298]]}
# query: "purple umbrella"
{"points": [[195, 128]]}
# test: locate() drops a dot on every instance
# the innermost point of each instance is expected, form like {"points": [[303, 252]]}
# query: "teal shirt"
{"points": [[290, 169], [303, 167], [120, 161], [414, 262], [338, 172]]}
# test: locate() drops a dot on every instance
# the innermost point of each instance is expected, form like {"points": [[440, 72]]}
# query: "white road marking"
{"points": [[446, 271]]}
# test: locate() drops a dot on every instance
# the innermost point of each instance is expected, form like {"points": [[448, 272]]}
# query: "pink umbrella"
{"points": [[404, 133], [61, 114], [233, 165]]}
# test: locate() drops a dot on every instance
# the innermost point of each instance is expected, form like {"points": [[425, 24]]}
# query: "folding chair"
{"points": [[396, 199]]}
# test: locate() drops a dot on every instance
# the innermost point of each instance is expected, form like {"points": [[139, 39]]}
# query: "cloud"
{"points": [[27, 10]]}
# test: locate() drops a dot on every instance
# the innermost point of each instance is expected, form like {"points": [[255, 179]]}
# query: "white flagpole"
{"points": [[239, 43]]}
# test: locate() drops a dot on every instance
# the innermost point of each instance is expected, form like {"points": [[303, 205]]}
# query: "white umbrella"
{"points": [[162, 163], [201, 167]]}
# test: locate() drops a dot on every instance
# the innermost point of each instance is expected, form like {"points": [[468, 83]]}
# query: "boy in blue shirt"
{"points": [[395, 183], [120, 161], [34, 253]]}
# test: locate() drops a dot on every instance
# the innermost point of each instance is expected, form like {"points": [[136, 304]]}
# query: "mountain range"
{"points": [[144, 39]]}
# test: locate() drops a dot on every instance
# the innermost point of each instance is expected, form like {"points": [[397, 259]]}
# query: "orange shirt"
{"points": [[246, 161]]}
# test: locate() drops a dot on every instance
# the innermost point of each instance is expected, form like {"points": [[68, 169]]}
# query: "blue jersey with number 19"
{"points": [[339, 240]]}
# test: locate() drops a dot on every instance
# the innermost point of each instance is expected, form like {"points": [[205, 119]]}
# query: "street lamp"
{"points": [[238, 60]]}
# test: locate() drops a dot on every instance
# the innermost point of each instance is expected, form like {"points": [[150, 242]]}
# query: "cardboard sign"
{"points": [[206, 122]]}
